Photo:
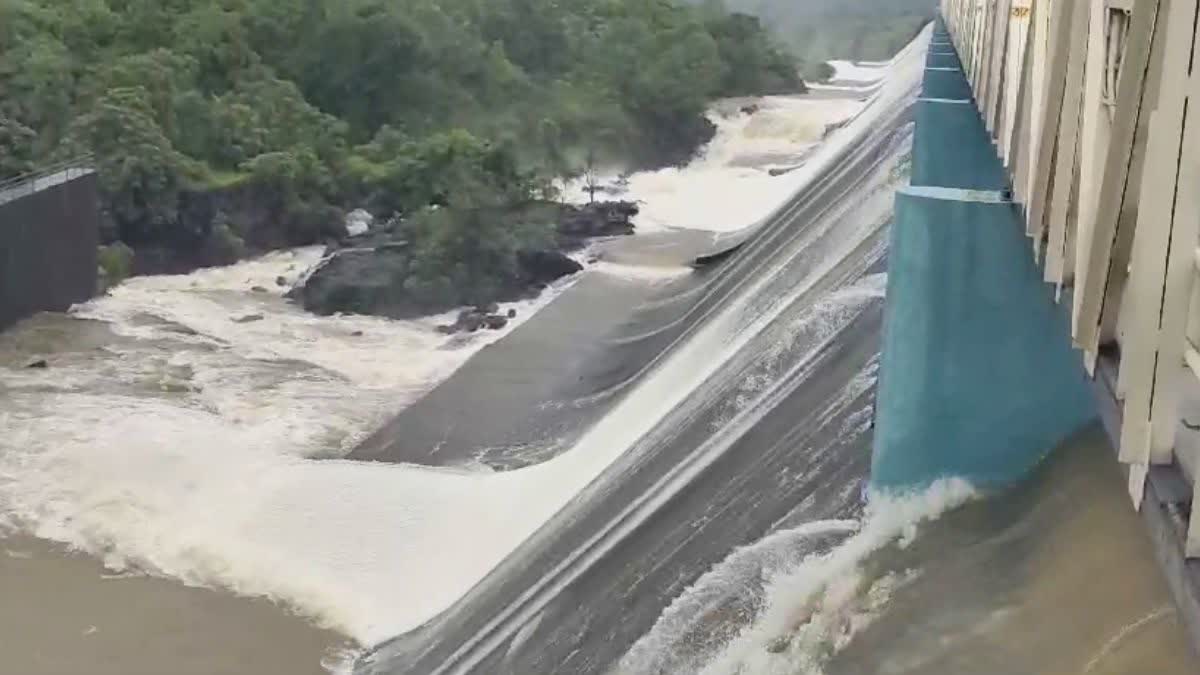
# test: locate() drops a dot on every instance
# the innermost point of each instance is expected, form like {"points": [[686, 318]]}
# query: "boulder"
{"points": [[281, 281], [249, 318], [750, 109], [258, 289], [475, 319], [470, 320], [598, 219], [542, 267], [40, 364], [512, 313]]}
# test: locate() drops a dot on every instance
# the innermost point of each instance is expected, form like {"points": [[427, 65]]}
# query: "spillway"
{"points": [[744, 407], [733, 526], [663, 466]]}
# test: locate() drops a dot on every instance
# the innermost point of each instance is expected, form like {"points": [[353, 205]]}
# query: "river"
{"points": [[655, 469]]}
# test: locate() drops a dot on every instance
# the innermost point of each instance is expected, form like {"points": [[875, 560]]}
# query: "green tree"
{"points": [[36, 82], [140, 172], [163, 75], [16, 148], [311, 106]]}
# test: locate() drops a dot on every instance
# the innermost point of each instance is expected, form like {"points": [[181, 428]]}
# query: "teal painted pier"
{"points": [[978, 377]]}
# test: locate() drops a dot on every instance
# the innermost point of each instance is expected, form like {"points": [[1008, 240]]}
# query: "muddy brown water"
{"points": [[64, 614]]}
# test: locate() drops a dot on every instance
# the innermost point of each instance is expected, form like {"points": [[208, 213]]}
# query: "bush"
{"points": [[116, 264]]}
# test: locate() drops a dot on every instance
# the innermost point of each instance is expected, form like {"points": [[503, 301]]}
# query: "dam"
{"points": [[828, 418], [1080, 112]]}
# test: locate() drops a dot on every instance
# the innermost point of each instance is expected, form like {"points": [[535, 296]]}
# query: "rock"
{"points": [[750, 109], [489, 308], [542, 267], [598, 219], [40, 364], [249, 318], [281, 281], [470, 321], [512, 313], [357, 333], [475, 319], [258, 289]]}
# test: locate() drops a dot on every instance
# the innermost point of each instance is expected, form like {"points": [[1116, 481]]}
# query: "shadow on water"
{"points": [[1056, 576]]}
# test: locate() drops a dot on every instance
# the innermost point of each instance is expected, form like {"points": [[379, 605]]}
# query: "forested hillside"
{"points": [[222, 125], [819, 30]]}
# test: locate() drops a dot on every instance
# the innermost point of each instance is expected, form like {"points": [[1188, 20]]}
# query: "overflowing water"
{"points": [[765, 343], [777, 134], [190, 425], [806, 603], [710, 519]]}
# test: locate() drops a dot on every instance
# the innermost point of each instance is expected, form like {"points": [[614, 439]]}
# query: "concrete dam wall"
{"points": [[978, 378], [49, 233]]}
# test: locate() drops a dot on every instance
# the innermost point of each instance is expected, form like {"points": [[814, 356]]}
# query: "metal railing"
{"points": [[46, 176]]}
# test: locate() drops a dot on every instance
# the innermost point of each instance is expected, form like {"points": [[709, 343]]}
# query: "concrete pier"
{"points": [[978, 378], [1089, 107], [49, 233]]}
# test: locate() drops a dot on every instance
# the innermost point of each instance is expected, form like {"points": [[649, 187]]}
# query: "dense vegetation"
{"points": [[857, 30], [222, 125]]}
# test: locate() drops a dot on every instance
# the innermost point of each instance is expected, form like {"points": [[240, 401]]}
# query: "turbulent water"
{"points": [[656, 469], [750, 416], [168, 437]]}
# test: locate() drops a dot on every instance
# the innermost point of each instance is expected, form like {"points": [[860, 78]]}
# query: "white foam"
{"points": [[651, 273], [182, 448], [732, 585], [729, 186], [813, 609], [858, 71]]}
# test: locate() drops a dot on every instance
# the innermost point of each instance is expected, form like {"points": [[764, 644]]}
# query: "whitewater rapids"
{"points": [[167, 438]]}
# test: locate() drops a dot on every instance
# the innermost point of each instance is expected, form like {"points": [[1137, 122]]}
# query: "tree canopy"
{"points": [[460, 104]]}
